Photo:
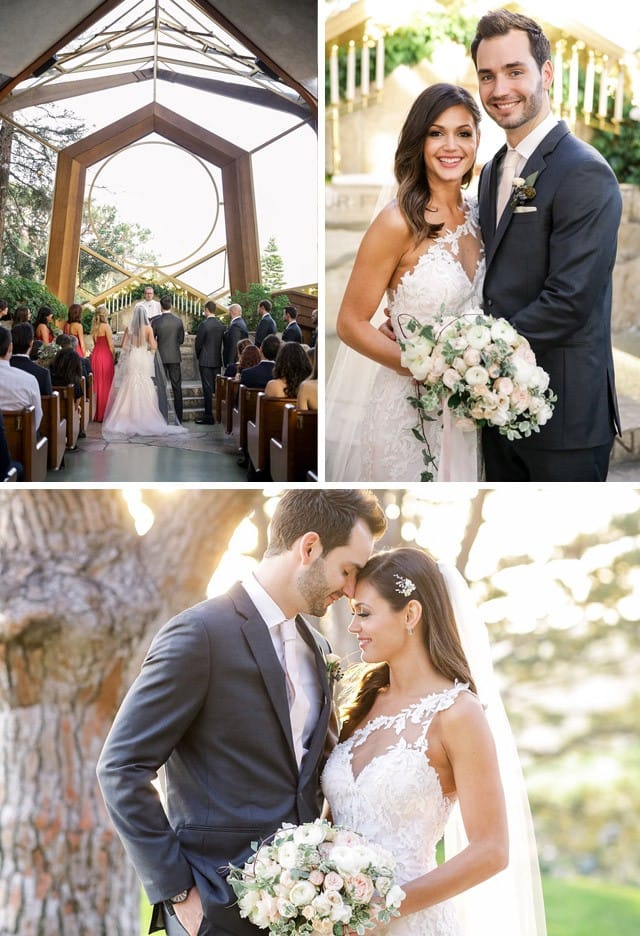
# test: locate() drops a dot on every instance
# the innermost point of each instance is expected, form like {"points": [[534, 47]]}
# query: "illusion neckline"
{"points": [[457, 687]]}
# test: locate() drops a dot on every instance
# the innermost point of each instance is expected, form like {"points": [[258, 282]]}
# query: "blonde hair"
{"points": [[100, 317]]}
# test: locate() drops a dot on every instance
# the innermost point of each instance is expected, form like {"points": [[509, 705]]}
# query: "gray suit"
{"points": [[210, 704], [209, 353], [169, 332]]}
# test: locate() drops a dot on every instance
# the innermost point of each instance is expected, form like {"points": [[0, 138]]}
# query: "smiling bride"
{"points": [[421, 256]]}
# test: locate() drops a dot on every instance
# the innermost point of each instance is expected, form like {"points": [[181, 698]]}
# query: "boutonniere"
{"points": [[334, 670], [522, 190]]}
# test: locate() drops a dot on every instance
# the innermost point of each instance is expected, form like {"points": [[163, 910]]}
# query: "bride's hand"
{"points": [[386, 328]]}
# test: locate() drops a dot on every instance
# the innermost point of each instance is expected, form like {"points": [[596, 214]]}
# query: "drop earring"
{"points": [[410, 629]]}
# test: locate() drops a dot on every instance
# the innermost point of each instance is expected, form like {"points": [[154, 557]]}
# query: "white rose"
{"points": [[477, 376], [544, 415], [302, 893], [248, 902], [450, 378], [321, 905], [394, 897], [523, 370], [501, 330], [472, 357], [478, 336], [311, 833], [288, 855], [350, 860], [539, 380], [499, 417]]}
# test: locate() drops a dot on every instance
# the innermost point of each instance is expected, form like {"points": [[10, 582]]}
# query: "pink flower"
{"points": [[333, 881], [316, 877], [472, 357], [450, 378], [346, 837], [359, 887], [504, 385]]}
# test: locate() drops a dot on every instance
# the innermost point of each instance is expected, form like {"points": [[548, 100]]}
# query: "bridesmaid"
{"points": [[102, 358]]}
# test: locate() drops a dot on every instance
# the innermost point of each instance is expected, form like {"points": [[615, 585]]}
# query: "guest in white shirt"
{"points": [[17, 388]]}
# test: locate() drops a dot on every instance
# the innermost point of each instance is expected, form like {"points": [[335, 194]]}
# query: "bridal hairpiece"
{"points": [[404, 586]]}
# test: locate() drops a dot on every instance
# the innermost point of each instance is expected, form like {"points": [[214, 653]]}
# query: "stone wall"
{"points": [[626, 275]]}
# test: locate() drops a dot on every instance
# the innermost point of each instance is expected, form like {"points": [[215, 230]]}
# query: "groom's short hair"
{"points": [[500, 22], [331, 514]]}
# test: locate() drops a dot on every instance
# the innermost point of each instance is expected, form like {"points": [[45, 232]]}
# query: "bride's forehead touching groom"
{"points": [[233, 702]]}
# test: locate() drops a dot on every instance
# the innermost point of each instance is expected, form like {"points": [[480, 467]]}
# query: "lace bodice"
{"points": [[388, 449], [439, 280], [380, 783]]}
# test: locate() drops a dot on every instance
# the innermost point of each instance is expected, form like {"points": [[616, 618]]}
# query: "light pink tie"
{"points": [[298, 702], [508, 173]]}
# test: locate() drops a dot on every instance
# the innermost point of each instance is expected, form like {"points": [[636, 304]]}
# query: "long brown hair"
{"points": [[386, 571], [410, 170]]}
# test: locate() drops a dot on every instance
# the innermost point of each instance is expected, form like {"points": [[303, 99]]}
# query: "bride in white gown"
{"points": [[418, 753], [423, 252], [133, 408]]}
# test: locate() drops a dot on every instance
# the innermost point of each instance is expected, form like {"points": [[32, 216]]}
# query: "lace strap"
{"points": [[420, 713], [438, 703]]}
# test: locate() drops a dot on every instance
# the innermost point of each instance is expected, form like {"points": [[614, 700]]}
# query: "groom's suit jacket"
{"points": [[168, 329], [549, 273], [210, 703]]}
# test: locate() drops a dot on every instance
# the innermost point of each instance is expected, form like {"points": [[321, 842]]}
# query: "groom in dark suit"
{"points": [[549, 257], [168, 329], [211, 705]]}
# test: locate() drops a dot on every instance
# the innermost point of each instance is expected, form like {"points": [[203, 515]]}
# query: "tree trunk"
{"points": [[6, 139], [82, 595]]}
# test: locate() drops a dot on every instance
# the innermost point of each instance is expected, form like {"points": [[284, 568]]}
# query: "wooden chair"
{"points": [[70, 413], [25, 447], [243, 412], [267, 425], [296, 452], [54, 427]]}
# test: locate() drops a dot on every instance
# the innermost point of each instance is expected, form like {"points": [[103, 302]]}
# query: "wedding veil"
{"points": [[511, 902]]}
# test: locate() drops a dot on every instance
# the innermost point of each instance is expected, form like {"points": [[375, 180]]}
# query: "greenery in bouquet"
{"points": [[316, 878], [47, 352], [482, 369]]}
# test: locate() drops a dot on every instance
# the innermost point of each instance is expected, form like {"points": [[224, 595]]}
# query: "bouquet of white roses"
{"points": [[484, 370], [316, 878]]}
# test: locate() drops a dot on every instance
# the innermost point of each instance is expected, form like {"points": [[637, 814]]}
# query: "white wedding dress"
{"points": [[132, 409], [369, 417], [379, 783]]}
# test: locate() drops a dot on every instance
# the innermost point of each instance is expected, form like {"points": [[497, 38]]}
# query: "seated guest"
{"points": [[292, 366], [22, 314], [44, 329], [85, 362], [231, 369], [4, 309], [73, 326], [6, 462], [249, 357], [66, 368], [17, 388], [308, 389], [292, 330], [22, 338], [260, 375]]}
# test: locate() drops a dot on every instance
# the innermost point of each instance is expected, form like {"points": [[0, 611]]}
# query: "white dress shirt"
{"points": [[273, 616], [19, 389], [526, 147]]}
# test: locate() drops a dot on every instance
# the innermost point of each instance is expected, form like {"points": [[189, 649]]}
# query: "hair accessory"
{"points": [[404, 586]]}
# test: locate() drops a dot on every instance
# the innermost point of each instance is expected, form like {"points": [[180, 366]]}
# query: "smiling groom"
{"points": [[241, 740], [550, 254]]}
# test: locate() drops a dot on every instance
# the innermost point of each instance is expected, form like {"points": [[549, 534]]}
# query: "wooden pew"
{"points": [[267, 425], [70, 413], [12, 476], [243, 412], [219, 392], [228, 392], [312, 476], [54, 427], [25, 447], [85, 405], [296, 452]]}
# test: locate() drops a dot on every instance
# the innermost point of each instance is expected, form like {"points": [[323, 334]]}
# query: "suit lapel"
{"points": [[537, 162], [261, 646], [318, 737]]}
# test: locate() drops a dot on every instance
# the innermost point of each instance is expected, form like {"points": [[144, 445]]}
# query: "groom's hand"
{"points": [[190, 912]]}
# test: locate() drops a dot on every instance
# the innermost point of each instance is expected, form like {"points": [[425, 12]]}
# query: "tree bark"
{"points": [[82, 595], [6, 139]]}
